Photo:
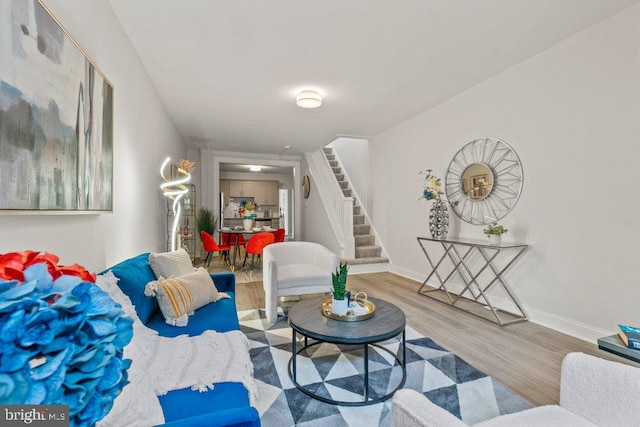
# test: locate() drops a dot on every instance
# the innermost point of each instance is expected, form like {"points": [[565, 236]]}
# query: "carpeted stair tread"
{"points": [[358, 219], [346, 192], [361, 229], [343, 184], [330, 156], [368, 251], [327, 150], [336, 170], [365, 240], [333, 163], [356, 209], [340, 177]]}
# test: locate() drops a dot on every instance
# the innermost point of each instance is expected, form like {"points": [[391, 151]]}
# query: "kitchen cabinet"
{"points": [[263, 192], [266, 193], [224, 188], [242, 188], [248, 188]]}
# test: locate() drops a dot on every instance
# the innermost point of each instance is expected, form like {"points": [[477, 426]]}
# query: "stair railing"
{"points": [[339, 207]]}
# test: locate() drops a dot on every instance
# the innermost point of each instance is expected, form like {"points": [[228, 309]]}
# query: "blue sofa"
{"points": [[228, 403]]}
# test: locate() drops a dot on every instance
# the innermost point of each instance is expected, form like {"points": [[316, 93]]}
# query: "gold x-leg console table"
{"points": [[462, 257]]}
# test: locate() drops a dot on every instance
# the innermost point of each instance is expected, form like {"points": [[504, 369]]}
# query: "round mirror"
{"points": [[484, 181], [477, 181]]}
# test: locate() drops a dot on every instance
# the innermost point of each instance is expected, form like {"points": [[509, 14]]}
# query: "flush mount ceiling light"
{"points": [[309, 99], [253, 168]]}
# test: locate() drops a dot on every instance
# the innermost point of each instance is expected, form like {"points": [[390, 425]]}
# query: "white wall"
{"points": [[572, 113], [354, 157], [315, 222], [143, 136]]}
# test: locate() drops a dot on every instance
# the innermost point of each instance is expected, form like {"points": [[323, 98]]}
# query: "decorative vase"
{"points": [[439, 219], [495, 239], [247, 222], [340, 307]]}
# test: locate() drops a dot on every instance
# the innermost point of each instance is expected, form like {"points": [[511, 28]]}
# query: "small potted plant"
{"points": [[340, 302], [494, 232]]}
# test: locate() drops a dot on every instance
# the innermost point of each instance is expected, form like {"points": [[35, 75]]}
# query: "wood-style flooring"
{"points": [[525, 357]]}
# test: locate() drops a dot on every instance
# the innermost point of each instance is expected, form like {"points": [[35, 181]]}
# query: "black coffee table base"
{"points": [[366, 400]]}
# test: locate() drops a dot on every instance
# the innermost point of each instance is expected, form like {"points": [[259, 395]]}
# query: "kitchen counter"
{"points": [[272, 222]]}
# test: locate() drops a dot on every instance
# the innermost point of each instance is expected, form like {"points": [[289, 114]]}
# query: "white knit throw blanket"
{"points": [[197, 362]]}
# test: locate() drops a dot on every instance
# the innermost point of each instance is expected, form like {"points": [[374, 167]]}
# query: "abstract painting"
{"points": [[56, 117]]}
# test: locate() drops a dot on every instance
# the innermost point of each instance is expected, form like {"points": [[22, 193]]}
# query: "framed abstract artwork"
{"points": [[56, 118]]}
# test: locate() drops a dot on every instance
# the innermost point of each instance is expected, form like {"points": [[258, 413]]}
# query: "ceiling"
{"points": [[228, 71]]}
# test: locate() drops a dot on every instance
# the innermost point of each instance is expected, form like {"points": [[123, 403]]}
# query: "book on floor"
{"points": [[630, 336]]}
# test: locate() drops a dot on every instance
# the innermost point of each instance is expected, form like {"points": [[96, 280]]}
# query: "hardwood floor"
{"points": [[525, 357]]}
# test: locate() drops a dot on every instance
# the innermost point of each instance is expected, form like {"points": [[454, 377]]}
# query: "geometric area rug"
{"points": [[337, 372]]}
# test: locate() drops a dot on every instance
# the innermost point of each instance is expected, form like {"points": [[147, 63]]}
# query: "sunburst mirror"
{"points": [[484, 181]]}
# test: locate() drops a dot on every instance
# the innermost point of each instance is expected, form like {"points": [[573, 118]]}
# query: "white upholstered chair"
{"points": [[295, 268], [593, 392]]}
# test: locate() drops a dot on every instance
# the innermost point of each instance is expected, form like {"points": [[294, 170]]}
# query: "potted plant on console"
{"points": [[340, 301], [494, 232]]}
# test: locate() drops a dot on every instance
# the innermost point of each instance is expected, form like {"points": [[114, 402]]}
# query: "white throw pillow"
{"points": [[170, 264], [179, 297]]}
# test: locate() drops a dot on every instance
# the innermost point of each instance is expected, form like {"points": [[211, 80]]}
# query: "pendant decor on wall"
{"points": [[439, 219], [56, 111]]}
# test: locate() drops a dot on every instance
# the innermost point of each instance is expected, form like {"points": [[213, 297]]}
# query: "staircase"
{"points": [[366, 251]]}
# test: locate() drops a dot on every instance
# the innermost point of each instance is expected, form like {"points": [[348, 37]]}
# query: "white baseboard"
{"points": [[571, 327], [567, 326]]}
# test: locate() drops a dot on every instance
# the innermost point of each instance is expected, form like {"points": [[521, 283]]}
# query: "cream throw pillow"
{"points": [[170, 264], [179, 297]]}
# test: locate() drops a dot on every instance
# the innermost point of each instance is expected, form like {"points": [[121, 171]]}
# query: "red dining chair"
{"points": [[230, 239], [210, 246], [279, 235], [256, 244]]}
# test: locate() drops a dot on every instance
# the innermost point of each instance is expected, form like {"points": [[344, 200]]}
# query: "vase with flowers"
{"points": [[439, 213], [247, 209]]}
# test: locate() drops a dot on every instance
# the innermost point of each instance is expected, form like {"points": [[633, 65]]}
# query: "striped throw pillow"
{"points": [[179, 297]]}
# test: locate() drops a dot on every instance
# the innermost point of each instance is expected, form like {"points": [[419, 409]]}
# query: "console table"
{"points": [[477, 286]]}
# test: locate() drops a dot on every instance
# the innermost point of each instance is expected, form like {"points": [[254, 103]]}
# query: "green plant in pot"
{"points": [[494, 232], [340, 303], [206, 221]]}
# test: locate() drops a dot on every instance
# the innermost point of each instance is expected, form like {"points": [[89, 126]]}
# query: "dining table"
{"points": [[244, 232]]}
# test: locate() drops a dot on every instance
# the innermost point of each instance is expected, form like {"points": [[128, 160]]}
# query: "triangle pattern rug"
{"points": [[337, 372]]}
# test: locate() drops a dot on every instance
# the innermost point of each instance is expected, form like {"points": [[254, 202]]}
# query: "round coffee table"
{"points": [[306, 319]]}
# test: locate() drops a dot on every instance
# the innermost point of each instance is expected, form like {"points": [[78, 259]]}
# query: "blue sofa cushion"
{"points": [[227, 404], [225, 282], [220, 316], [134, 274]]}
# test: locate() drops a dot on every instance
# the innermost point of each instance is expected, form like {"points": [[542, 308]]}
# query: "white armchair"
{"points": [[295, 268], [593, 391]]}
